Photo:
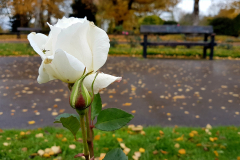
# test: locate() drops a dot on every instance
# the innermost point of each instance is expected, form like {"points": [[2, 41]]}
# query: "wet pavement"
{"points": [[157, 91]]}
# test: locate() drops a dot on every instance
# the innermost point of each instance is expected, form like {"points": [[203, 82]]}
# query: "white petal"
{"points": [[66, 22], [43, 77], [37, 41], [64, 67], [99, 43], [102, 81], [73, 40], [52, 39]]}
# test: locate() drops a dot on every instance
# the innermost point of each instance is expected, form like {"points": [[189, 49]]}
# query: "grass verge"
{"points": [[222, 144], [20, 49]]}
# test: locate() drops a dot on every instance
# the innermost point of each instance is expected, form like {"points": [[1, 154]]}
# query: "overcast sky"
{"points": [[187, 6]]}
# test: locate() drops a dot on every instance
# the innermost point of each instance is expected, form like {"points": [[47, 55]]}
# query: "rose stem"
{"points": [[84, 137], [89, 132]]}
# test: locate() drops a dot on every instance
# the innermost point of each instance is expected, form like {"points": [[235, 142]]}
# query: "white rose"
{"points": [[72, 45]]}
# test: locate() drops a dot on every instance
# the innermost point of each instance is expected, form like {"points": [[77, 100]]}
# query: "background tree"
{"points": [[125, 14], [41, 11], [196, 13], [84, 8]]}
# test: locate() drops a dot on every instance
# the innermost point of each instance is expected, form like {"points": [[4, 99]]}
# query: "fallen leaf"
{"points": [[54, 113], [97, 137], [40, 152], [179, 138], [177, 145], [64, 139], [164, 152], [216, 153], [127, 104], [142, 150], [182, 151], [56, 149], [6, 144], [22, 133], [40, 135], [72, 146], [31, 122], [133, 111], [126, 150], [119, 139]]}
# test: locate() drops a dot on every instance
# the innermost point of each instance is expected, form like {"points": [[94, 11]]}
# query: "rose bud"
{"points": [[80, 99]]}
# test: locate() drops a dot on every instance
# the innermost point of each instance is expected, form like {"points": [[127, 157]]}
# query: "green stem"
{"points": [[89, 132], [84, 137]]}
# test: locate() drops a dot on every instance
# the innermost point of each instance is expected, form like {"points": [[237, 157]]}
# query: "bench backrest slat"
{"points": [[28, 29], [174, 29]]}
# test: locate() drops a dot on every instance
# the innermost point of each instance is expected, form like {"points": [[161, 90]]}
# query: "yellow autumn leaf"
{"points": [[161, 132], [191, 134], [142, 150], [182, 151], [127, 104], [102, 155], [179, 138], [133, 111], [22, 133], [216, 153], [164, 152], [64, 139], [97, 137], [119, 139], [31, 122], [211, 139], [195, 132], [199, 145]]}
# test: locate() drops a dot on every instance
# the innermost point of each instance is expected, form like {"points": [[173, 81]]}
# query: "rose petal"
{"points": [[52, 39], [102, 81], [43, 77], [37, 41], [62, 66], [66, 22], [73, 40], [99, 43]]}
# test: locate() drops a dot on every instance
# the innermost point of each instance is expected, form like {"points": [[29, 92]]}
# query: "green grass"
{"points": [[227, 145], [19, 49]]}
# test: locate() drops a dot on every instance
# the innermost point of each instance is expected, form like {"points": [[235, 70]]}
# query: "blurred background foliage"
{"points": [[116, 16]]}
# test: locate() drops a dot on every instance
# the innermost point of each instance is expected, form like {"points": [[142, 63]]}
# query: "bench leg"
{"points": [[145, 46], [212, 46], [18, 35], [205, 48]]}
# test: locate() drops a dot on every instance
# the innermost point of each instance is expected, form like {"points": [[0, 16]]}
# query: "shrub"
{"points": [[223, 26], [148, 20], [170, 23]]}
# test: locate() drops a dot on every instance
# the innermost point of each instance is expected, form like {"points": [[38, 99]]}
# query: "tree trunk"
{"points": [[196, 13], [37, 22]]}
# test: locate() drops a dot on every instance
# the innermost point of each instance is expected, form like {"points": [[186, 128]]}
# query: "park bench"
{"points": [[26, 29], [175, 29]]}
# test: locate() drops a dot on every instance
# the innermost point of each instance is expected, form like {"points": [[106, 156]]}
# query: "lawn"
{"points": [[157, 142], [19, 49]]}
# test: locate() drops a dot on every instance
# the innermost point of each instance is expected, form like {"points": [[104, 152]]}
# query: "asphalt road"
{"points": [[157, 91]]}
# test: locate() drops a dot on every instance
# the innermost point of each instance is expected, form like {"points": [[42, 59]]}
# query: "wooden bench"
{"points": [[174, 29], [26, 29]]}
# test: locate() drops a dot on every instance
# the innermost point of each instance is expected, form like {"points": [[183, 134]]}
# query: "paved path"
{"points": [[157, 91]]}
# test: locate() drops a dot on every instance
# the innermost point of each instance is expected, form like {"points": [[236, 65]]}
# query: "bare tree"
{"points": [[196, 13]]}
